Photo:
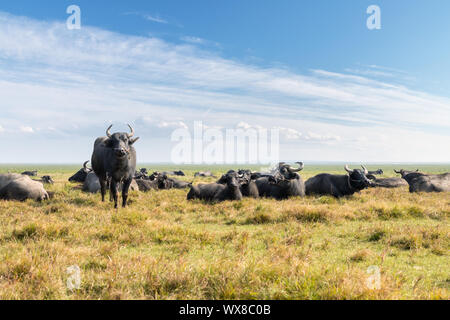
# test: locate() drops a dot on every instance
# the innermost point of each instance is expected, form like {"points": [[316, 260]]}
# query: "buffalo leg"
{"points": [[126, 187], [114, 189], [103, 188]]}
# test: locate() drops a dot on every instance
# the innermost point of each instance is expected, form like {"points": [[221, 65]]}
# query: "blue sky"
{"points": [[336, 90]]}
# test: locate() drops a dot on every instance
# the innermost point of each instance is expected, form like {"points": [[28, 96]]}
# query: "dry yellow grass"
{"points": [[164, 247]]}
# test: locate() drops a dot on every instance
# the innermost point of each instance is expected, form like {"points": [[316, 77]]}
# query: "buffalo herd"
{"points": [[114, 167]]}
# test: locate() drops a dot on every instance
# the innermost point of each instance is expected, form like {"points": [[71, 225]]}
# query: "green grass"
{"points": [[164, 247]]}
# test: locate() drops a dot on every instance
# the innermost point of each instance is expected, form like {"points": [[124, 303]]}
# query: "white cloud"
{"points": [[195, 40], [75, 83], [149, 17], [26, 129], [155, 18]]}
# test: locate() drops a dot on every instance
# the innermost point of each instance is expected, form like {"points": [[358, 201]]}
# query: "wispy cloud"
{"points": [[77, 82], [149, 17]]}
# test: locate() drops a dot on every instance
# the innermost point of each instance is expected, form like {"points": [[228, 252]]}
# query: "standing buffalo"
{"points": [[421, 182], [216, 191], [114, 157], [21, 187], [338, 185], [81, 174], [283, 184]]}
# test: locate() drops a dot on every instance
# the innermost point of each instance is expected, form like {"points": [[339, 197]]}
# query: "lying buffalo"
{"points": [[147, 185], [247, 185], [30, 173], [174, 173], [421, 182], [204, 174], [388, 183], [46, 180], [285, 183], [81, 174], [21, 187], [178, 184], [114, 158], [338, 185], [216, 191], [371, 174]]}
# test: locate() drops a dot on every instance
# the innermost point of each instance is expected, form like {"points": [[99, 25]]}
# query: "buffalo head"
{"points": [[120, 142], [289, 173], [357, 177]]}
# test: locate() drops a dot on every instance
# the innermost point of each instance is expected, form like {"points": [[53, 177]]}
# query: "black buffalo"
{"points": [[284, 183], [30, 173], [81, 174], [371, 174], [114, 158], [421, 182], [246, 182], [204, 174], [216, 191], [388, 183], [175, 173], [338, 185]]}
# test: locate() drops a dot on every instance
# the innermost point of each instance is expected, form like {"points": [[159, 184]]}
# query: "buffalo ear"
{"points": [[132, 141]]}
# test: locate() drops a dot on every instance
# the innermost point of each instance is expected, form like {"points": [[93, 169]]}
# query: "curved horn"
{"points": [[108, 133], [281, 164], [300, 167], [366, 172], [85, 165], [131, 133], [397, 171], [348, 169]]}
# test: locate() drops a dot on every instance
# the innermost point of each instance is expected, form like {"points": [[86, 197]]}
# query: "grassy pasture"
{"points": [[164, 247]]}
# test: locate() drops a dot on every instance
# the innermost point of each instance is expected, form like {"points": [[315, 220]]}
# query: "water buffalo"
{"points": [[30, 173], [247, 185], [114, 157], [388, 183], [217, 192], [285, 183], [81, 174], [204, 174], [21, 187], [371, 174], [338, 185], [146, 185], [141, 174], [178, 184], [421, 182], [46, 180], [174, 173]]}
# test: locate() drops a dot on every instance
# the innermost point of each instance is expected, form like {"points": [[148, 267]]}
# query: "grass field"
{"points": [[164, 247]]}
